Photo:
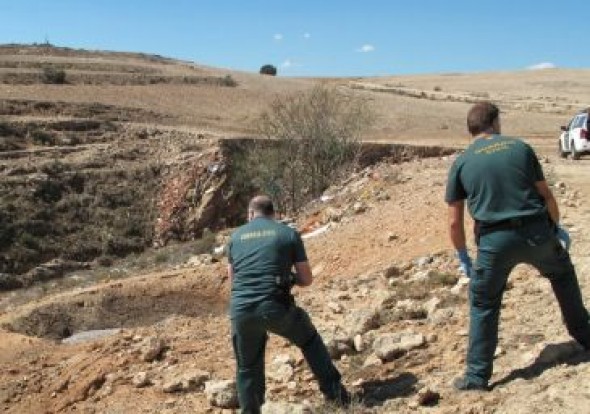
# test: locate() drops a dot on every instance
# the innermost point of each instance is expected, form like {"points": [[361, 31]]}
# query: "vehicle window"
{"points": [[579, 122], [570, 123]]}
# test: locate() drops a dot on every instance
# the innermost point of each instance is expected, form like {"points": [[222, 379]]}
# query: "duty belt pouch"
{"points": [[284, 284]]}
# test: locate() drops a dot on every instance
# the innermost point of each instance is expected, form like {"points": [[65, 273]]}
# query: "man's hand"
{"points": [[563, 237], [465, 263]]}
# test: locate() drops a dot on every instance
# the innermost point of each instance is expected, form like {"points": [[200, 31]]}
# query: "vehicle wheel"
{"points": [[575, 154], [561, 152]]}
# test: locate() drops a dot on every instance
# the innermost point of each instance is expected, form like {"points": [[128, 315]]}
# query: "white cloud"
{"points": [[278, 37], [366, 48], [287, 64], [306, 35], [542, 65]]}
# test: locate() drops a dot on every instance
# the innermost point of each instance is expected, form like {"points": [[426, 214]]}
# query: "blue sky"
{"points": [[318, 38]]}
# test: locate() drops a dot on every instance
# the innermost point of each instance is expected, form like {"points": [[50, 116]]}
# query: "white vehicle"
{"points": [[575, 138]]}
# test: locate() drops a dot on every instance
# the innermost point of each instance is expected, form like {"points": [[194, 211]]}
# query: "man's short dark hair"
{"points": [[481, 116], [262, 205]]}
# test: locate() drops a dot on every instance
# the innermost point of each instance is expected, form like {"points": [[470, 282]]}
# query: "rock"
{"points": [[222, 393], [382, 196], [151, 348], [284, 359], [281, 373], [427, 397], [172, 385], [392, 346], [201, 259], [170, 403], [332, 214], [359, 207], [285, 408], [141, 379], [359, 344], [372, 361], [88, 336], [392, 237], [338, 344], [361, 321], [431, 305], [335, 307], [461, 286], [423, 261], [441, 316], [195, 380], [421, 276], [409, 309], [499, 352], [185, 381]]}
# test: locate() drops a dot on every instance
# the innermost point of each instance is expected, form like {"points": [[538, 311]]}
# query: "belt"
{"points": [[512, 223]]}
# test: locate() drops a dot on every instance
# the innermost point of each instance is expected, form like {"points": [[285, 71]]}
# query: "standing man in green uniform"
{"points": [[517, 221], [262, 254]]}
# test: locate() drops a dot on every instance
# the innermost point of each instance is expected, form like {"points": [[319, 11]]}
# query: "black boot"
{"points": [[339, 396], [464, 384]]}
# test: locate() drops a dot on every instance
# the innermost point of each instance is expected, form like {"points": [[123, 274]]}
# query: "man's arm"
{"points": [[304, 276], [230, 273], [456, 224], [457, 232], [550, 201]]}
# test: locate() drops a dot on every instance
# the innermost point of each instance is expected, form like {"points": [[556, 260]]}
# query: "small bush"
{"points": [[42, 138], [268, 70], [53, 76], [161, 257], [227, 80], [317, 132]]}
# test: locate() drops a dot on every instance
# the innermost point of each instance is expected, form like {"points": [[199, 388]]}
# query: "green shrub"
{"points": [[52, 75], [161, 257], [39, 137], [227, 80]]}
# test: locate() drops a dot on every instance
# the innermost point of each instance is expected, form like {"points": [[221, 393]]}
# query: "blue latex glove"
{"points": [[563, 237], [465, 264]]}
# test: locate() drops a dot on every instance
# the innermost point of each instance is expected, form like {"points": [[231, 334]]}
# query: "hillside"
{"points": [[134, 151]]}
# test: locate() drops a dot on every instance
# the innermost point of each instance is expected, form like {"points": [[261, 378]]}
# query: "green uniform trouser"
{"points": [[249, 335], [498, 253]]}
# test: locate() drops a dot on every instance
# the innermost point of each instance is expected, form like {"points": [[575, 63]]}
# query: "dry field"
{"points": [[95, 154]]}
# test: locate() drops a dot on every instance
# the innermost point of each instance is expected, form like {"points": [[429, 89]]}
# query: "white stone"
{"points": [[359, 344], [391, 346], [222, 393], [141, 379]]}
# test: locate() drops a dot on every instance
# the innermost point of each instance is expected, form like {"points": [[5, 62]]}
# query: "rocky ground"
{"points": [[148, 332], [387, 299]]}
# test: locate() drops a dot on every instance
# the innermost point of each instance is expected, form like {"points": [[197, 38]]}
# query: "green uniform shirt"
{"points": [[497, 177], [259, 252]]}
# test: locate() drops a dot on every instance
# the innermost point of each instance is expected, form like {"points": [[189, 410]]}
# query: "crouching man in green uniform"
{"points": [[262, 254], [517, 221]]}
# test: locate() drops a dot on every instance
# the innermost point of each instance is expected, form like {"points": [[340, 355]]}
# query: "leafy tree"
{"points": [[268, 70]]}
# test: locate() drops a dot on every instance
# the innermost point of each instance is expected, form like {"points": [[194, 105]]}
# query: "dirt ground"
{"points": [[384, 251]]}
